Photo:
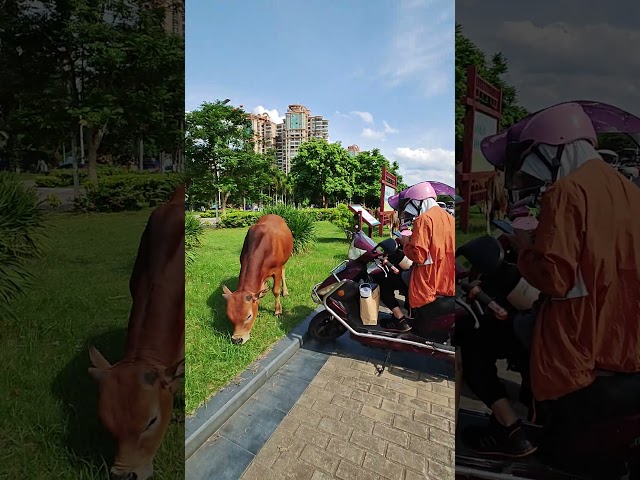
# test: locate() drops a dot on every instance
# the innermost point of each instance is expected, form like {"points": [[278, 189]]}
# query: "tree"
{"points": [[467, 53], [106, 64], [219, 148], [323, 172], [368, 174]]}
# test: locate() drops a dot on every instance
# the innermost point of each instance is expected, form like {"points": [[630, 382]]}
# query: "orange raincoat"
{"points": [[589, 220], [434, 235]]}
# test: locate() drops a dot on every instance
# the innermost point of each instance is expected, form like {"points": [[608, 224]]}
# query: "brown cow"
{"points": [[136, 393], [497, 202], [267, 248]]}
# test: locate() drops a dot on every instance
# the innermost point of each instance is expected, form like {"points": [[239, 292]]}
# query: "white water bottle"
{"points": [[365, 290]]}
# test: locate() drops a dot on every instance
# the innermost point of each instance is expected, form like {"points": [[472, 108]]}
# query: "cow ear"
{"points": [[172, 375], [100, 365], [260, 294], [226, 293], [97, 359]]}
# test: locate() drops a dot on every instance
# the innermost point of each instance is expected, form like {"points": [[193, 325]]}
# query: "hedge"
{"points": [[131, 191]]}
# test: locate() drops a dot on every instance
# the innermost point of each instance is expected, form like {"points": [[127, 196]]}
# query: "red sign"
{"points": [[482, 100]]}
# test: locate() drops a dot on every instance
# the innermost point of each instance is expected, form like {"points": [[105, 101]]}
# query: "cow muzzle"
{"points": [[126, 476], [240, 340]]}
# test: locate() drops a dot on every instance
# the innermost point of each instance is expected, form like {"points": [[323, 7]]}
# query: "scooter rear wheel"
{"points": [[324, 328]]}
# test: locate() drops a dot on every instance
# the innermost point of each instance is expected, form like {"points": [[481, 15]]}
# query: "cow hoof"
{"points": [[279, 314]]}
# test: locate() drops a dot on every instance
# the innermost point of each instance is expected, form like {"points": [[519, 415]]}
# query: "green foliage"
{"points": [[342, 217], [467, 53], [238, 219], [220, 156], [616, 142], [53, 200], [300, 222], [320, 214], [131, 191], [192, 236], [109, 62], [21, 236], [50, 181], [323, 172]]}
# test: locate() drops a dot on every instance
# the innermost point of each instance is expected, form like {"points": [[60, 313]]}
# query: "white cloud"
{"points": [[421, 164], [387, 128], [433, 158], [365, 116], [342, 115], [273, 114], [372, 134]]}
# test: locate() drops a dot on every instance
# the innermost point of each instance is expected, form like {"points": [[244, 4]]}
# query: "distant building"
{"points": [[298, 127], [353, 150], [264, 132]]}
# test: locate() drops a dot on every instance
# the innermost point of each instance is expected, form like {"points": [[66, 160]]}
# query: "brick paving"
{"points": [[350, 424]]}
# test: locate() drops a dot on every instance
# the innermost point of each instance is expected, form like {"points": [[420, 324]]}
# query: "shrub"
{"points": [[131, 191], [320, 214], [21, 235], [342, 217], [49, 181], [238, 219], [53, 200], [192, 236], [300, 222]]}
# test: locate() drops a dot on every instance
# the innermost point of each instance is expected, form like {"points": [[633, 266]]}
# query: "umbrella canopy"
{"points": [[605, 118]]}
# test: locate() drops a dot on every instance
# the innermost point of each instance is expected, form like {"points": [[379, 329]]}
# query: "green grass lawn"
{"points": [[212, 360], [49, 426], [477, 227]]}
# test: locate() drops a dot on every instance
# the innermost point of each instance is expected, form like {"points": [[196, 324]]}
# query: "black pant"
{"points": [[481, 349], [388, 286]]}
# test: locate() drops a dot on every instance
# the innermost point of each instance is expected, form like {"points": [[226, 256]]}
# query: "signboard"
{"points": [[366, 216], [483, 126], [388, 192]]}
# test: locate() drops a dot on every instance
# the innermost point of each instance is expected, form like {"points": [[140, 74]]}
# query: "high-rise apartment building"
{"points": [[298, 127], [174, 15], [353, 150], [264, 132]]}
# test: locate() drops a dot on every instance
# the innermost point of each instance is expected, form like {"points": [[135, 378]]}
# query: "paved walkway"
{"points": [[352, 425]]}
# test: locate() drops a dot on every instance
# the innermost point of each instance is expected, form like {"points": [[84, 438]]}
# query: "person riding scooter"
{"points": [[584, 334], [431, 248]]}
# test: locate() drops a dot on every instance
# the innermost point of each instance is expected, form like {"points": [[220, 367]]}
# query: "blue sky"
{"points": [[381, 71]]}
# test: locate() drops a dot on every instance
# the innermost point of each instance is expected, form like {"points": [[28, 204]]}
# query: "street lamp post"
{"points": [[224, 102]]}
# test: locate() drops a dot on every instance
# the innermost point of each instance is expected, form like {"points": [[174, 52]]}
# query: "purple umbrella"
{"points": [[605, 118], [440, 188]]}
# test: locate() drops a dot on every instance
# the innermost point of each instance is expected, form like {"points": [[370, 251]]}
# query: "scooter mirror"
{"points": [[388, 246]]}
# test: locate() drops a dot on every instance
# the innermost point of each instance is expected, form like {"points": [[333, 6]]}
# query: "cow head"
{"points": [[135, 406], [242, 310]]}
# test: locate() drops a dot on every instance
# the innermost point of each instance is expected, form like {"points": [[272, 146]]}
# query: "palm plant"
{"points": [[21, 239]]}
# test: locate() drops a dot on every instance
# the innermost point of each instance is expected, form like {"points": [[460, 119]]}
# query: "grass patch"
{"points": [[49, 427], [477, 227], [211, 360]]}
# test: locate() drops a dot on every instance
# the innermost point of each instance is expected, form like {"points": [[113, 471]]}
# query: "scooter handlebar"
{"points": [[475, 292]]}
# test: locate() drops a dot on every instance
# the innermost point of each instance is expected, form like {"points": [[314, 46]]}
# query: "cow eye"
{"points": [[153, 420], [249, 317]]}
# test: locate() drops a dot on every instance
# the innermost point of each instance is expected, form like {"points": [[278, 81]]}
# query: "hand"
{"points": [[520, 239], [403, 240]]}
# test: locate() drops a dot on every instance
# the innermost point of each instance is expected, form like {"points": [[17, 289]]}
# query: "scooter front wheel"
{"points": [[324, 328]]}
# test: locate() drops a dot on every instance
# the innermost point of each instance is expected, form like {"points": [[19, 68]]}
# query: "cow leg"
{"points": [[277, 279], [285, 290]]}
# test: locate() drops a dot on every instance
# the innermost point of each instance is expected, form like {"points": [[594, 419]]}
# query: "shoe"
{"points": [[497, 440], [397, 325]]}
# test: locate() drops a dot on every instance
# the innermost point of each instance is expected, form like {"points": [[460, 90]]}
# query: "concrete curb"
{"points": [[218, 409]]}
